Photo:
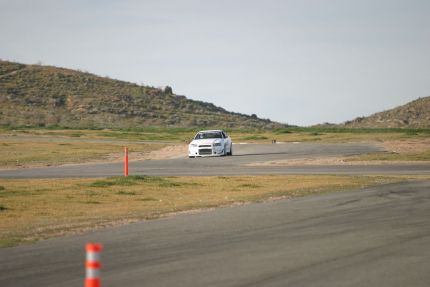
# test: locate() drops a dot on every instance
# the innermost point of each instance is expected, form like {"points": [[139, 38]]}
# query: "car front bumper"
{"points": [[205, 150]]}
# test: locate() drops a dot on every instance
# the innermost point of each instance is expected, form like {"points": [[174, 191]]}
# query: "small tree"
{"points": [[168, 90]]}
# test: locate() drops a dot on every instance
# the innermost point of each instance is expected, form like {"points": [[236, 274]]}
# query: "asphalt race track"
{"points": [[243, 154], [372, 237]]}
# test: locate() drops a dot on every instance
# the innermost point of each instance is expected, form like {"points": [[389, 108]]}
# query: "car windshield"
{"points": [[208, 135]]}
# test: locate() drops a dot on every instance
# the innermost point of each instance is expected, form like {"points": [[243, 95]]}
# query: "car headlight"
{"points": [[217, 144], [193, 145]]}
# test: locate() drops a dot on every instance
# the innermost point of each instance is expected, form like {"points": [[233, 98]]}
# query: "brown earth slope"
{"points": [[415, 114], [38, 95]]}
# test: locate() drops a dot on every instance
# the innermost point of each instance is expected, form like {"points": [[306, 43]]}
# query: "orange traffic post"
{"points": [[125, 161], [92, 265]]}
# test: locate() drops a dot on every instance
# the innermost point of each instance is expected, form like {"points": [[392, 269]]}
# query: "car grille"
{"points": [[205, 145], [205, 151]]}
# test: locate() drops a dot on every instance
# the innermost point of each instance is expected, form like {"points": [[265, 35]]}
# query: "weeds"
{"points": [[126, 193], [132, 180], [92, 202], [255, 137], [148, 199], [249, 185], [101, 183]]}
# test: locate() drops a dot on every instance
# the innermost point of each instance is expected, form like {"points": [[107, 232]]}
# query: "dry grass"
{"points": [[172, 135], [24, 153], [185, 135], [325, 137], [37, 209]]}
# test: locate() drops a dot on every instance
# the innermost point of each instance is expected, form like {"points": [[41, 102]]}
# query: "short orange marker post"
{"points": [[125, 161], [92, 265]]}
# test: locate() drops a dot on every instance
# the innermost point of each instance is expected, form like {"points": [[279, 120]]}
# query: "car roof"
{"points": [[210, 131]]}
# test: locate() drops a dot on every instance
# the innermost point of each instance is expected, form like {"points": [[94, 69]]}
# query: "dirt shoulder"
{"points": [[396, 152], [168, 152], [406, 146], [331, 161]]}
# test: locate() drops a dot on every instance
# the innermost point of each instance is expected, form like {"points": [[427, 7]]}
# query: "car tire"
{"points": [[231, 150]]}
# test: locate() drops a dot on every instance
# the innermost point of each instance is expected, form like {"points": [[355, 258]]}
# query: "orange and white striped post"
{"points": [[125, 161], [92, 265]]}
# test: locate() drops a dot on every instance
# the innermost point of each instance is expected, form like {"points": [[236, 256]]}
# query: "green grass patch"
{"points": [[10, 242], [254, 137], [132, 180], [101, 183]]}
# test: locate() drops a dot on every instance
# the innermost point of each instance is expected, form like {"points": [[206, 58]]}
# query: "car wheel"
{"points": [[191, 156], [231, 150]]}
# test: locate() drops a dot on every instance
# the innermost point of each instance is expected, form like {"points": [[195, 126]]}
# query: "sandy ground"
{"points": [[398, 146], [168, 152], [406, 146]]}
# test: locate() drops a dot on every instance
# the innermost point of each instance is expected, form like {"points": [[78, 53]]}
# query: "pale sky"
{"points": [[300, 62]]}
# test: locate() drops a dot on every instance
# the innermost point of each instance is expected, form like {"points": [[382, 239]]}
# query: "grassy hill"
{"points": [[415, 114], [35, 95]]}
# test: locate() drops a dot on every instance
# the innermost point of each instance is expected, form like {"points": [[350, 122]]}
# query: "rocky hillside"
{"points": [[415, 114], [49, 96]]}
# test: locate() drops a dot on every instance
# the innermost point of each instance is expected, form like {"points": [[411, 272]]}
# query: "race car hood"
{"points": [[206, 141]]}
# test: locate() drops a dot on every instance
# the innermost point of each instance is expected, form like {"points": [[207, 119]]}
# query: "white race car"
{"points": [[210, 143]]}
